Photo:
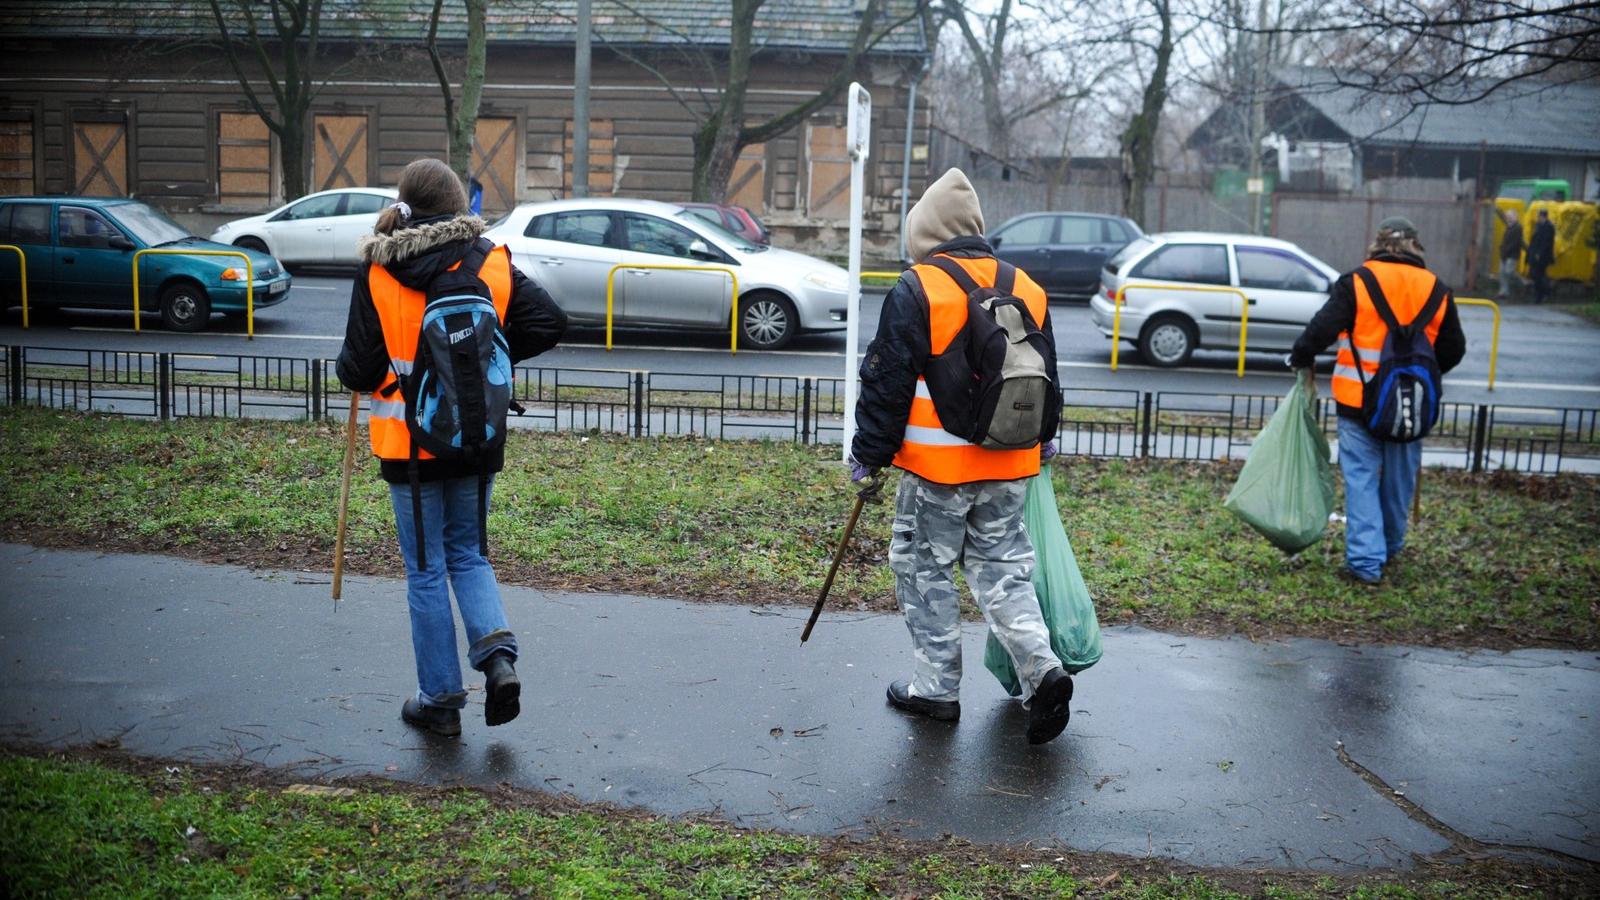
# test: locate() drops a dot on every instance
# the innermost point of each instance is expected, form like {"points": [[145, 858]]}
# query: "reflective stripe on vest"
{"points": [[400, 311], [929, 450], [1406, 287]]}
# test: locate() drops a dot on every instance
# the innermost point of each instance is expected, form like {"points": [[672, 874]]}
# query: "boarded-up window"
{"points": [[100, 159], [747, 187], [827, 172], [244, 160], [602, 159], [495, 161], [16, 154], [339, 152]]}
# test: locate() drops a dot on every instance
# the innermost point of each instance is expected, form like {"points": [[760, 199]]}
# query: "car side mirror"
{"points": [[120, 243], [994, 243], [701, 250]]}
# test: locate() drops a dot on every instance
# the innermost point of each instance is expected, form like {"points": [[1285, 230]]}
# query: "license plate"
{"points": [[278, 287]]}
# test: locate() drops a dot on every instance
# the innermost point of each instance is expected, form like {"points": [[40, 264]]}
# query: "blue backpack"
{"points": [[1400, 403], [459, 389]]}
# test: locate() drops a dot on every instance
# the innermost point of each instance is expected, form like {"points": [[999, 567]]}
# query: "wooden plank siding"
{"points": [[17, 153], [192, 146]]}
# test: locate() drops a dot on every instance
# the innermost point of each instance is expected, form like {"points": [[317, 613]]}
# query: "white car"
{"points": [[317, 229], [571, 247], [1283, 285]]}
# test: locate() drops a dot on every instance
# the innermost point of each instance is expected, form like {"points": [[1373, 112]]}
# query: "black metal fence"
{"points": [[1094, 422]]}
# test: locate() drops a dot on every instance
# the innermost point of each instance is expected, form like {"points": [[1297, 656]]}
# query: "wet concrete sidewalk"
{"points": [[1214, 752]]}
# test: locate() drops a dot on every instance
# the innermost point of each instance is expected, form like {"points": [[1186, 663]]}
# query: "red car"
{"points": [[736, 219]]}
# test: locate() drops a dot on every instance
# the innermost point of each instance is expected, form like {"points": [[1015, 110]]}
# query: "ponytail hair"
{"points": [[428, 188]]}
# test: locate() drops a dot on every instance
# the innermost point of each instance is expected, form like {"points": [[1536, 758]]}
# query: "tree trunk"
{"points": [[716, 143], [464, 127], [1139, 138], [292, 153]]}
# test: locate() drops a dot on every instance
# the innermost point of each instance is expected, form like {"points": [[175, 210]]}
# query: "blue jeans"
{"points": [[450, 532], [1379, 479]]}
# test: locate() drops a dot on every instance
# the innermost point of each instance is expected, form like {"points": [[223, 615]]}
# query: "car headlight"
{"points": [[828, 281]]}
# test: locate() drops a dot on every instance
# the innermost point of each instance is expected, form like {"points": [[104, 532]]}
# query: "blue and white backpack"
{"points": [[1401, 401]]}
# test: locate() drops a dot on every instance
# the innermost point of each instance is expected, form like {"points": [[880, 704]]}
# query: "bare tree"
{"points": [[296, 25], [1138, 139], [461, 122]]}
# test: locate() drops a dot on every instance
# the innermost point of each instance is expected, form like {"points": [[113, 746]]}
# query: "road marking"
{"points": [[1450, 382], [313, 287], [204, 334]]}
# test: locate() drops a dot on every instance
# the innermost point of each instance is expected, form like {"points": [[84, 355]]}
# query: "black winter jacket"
{"points": [[897, 356], [1542, 245], [534, 323], [1338, 315]]}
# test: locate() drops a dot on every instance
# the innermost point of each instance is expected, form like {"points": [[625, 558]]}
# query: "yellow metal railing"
{"points": [[887, 276], [1494, 340], [611, 283], [249, 281], [1116, 316], [22, 261]]}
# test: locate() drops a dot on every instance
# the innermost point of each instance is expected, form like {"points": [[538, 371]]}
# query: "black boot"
{"points": [[435, 719], [1048, 713], [504, 690], [900, 697]]}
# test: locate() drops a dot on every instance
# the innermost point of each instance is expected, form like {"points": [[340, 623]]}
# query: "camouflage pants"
{"points": [[980, 525]]}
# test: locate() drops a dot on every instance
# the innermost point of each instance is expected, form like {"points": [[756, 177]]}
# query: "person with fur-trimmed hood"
{"points": [[429, 232]]}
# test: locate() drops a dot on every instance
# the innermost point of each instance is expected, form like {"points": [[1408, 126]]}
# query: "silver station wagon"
{"points": [[1168, 320]]}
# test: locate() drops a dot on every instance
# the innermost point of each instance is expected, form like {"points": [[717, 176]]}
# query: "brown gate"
{"points": [[494, 162], [16, 155], [339, 154], [747, 186], [100, 158], [827, 172]]}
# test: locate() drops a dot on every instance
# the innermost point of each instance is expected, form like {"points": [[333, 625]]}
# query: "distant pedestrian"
{"points": [[1511, 247], [1541, 255], [426, 234], [958, 501], [1380, 474]]}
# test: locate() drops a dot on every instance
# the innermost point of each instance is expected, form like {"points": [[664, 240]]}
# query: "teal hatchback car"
{"points": [[80, 253]]}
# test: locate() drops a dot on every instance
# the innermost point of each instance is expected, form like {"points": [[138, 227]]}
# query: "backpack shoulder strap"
{"points": [[1005, 277], [1379, 301], [477, 256], [950, 267], [1436, 299]]}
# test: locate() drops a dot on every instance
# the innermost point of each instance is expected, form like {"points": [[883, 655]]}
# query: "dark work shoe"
{"points": [[1048, 712], [1351, 576], [900, 697], [436, 719], [504, 690]]}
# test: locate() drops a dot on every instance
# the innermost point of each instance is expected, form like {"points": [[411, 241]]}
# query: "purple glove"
{"points": [[1047, 451], [858, 472]]}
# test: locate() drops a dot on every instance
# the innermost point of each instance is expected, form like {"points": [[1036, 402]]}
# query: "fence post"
{"points": [[1144, 441], [1480, 437], [805, 410], [638, 404], [164, 385], [15, 355], [316, 390]]}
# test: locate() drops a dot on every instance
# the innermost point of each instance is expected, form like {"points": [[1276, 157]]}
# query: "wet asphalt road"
{"points": [[1213, 752], [1547, 358]]}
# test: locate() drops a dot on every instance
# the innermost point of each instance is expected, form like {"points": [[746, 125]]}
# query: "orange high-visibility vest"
{"points": [[400, 311], [929, 450], [1406, 287]]}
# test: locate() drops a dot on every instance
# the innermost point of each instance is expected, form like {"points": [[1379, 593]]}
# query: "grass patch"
{"points": [[1496, 560], [1589, 311], [121, 827]]}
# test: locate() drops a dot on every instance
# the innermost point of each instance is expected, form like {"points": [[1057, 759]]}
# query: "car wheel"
{"points": [[185, 307], [1168, 341], [251, 243], [767, 321]]}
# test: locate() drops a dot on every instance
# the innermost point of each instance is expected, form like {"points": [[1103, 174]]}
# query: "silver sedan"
{"points": [[573, 247]]}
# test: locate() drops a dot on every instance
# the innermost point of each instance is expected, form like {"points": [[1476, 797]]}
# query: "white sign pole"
{"points": [[859, 133]]}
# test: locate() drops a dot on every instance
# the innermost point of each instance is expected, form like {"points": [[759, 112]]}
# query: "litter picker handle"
{"points": [[344, 498], [867, 491]]}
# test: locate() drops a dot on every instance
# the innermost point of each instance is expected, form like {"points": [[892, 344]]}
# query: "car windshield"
{"points": [[1134, 248], [149, 224], [741, 244]]}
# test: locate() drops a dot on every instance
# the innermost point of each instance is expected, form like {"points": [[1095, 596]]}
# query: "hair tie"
{"points": [[405, 209]]}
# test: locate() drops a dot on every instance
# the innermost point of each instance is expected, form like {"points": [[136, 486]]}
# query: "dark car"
{"points": [[742, 222], [80, 253], [1063, 251]]}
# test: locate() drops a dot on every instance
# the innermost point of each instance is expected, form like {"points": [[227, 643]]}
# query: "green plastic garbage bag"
{"points": [[1063, 597], [1285, 490]]}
